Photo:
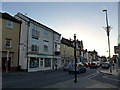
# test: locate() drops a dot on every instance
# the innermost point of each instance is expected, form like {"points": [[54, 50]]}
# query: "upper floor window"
{"points": [[57, 47], [56, 37], [8, 43], [46, 45], [35, 32], [9, 24], [34, 48], [46, 33]]}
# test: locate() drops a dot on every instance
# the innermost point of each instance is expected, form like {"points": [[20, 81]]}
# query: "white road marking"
{"points": [[92, 75]]}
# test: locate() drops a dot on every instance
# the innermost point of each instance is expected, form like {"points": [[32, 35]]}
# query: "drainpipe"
{"points": [[19, 46], [27, 44], [53, 54]]}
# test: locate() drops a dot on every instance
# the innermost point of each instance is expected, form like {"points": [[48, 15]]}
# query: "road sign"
{"points": [[117, 49]]}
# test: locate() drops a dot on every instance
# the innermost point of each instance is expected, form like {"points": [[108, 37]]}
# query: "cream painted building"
{"points": [[66, 51], [9, 41]]}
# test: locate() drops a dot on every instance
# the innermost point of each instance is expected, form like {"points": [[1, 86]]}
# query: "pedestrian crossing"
{"points": [[90, 76]]}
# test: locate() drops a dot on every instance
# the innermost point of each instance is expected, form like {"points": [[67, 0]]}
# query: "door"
{"points": [[4, 59]]}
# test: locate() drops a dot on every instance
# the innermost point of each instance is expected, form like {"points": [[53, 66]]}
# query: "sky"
{"points": [[85, 19]]}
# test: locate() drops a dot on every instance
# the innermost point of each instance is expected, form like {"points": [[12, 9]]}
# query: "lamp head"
{"points": [[104, 10]]}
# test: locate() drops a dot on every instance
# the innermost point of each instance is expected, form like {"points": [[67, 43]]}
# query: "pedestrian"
{"points": [[113, 66], [56, 66]]}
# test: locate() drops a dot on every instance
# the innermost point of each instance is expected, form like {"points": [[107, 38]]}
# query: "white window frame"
{"points": [[46, 33], [35, 32], [46, 45], [35, 49], [6, 43], [9, 24]]}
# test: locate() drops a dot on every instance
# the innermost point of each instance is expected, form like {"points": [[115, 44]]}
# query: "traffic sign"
{"points": [[117, 49]]}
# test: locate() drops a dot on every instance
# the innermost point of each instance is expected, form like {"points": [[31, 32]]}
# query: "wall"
{"points": [[14, 35]]}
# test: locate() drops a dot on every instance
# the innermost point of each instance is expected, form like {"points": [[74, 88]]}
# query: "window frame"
{"points": [[10, 42], [47, 44], [35, 32], [9, 24]]}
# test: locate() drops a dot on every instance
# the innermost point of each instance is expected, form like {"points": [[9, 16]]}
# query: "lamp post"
{"points": [[75, 81], [108, 28]]}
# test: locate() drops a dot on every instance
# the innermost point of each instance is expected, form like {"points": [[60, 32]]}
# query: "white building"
{"points": [[39, 45]]}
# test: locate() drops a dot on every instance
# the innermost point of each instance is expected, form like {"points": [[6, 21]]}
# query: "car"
{"points": [[105, 65], [93, 65], [98, 64], [66, 67], [86, 64], [79, 69]]}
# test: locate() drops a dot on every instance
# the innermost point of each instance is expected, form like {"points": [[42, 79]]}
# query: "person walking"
{"points": [[56, 66], [113, 65]]}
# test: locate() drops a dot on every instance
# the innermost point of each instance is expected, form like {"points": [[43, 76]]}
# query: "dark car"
{"points": [[86, 64], [93, 65], [105, 65], [79, 69]]}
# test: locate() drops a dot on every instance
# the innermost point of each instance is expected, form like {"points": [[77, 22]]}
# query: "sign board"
{"points": [[117, 49]]}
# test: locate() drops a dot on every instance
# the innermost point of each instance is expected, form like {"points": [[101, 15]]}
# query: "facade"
{"points": [[10, 32], [85, 55], [37, 45], [56, 50], [80, 51], [67, 51], [92, 56]]}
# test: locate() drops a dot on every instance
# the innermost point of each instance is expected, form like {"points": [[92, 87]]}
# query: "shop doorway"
{"points": [[4, 59]]}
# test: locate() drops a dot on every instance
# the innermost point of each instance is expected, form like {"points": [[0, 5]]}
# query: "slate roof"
{"points": [[37, 23], [9, 17]]}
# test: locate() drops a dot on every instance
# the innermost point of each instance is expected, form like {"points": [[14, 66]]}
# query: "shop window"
{"points": [[47, 62], [34, 62], [41, 62]]}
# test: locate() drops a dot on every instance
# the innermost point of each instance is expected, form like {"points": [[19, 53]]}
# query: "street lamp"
{"points": [[75, 81], [108, 28]]}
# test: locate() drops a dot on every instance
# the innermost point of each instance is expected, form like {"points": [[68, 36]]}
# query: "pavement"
{"points": [[81, 83], [115, 71]]}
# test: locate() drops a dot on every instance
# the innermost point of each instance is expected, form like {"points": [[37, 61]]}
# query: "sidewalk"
{"points": [[107, 71], [81, 83], [28, 73]]}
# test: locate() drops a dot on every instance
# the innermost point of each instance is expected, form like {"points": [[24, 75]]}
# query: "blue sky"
{"points": [[85, 19]]}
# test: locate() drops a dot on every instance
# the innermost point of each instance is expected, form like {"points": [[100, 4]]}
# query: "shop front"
{"points": [[40, 63]]}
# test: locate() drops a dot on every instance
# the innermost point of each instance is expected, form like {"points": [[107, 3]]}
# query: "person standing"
{"points": [[56, 66]]}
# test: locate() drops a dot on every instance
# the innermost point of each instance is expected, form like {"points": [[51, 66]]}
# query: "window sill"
{"points": [[7, 47]]}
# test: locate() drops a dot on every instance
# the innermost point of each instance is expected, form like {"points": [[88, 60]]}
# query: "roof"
{"points": [[9, 17], [36, 22]]}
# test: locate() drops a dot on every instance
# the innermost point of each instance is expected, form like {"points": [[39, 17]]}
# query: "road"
{"points": [[46, 78]]}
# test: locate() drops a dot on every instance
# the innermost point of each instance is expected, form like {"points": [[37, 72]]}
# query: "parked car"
{"points": [[105, 65], [86, 64], [79, 69], [98, 64], [66, 67], [93, 65]]}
